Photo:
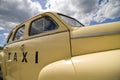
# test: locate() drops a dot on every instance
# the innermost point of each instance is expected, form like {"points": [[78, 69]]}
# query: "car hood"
{"points": [[96, 30]]}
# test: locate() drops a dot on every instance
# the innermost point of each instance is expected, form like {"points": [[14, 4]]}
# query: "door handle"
{"points": [[22, 47]]}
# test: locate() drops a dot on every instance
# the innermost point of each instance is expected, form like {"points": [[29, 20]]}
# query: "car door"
{"points": [[13, 52], [47, 42]]}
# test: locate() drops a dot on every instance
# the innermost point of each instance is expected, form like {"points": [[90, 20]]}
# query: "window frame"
{"points": [[9, 39], [43, 25], [13, 39], [29, 34]]}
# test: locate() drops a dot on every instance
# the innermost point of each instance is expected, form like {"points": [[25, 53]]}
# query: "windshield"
{"points": [[70, 21]]}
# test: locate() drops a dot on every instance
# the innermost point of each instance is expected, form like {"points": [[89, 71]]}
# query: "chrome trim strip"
{"points": [[95, 35]]}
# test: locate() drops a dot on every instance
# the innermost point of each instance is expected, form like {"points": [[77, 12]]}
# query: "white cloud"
{"points": [[13, 12], [3, 38], [1, 28], [112, 9], [5, 35], [86, 10], [81, 9], [108, 10]]}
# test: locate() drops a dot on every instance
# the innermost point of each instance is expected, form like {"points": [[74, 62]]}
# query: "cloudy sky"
{"points": [[88, 12]]}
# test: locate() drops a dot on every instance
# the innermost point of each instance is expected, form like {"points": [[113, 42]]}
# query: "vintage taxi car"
{"points": [[53, 46]]}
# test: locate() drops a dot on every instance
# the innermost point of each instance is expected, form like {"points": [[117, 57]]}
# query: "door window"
{"points": [[41, 25], [19, 33]]}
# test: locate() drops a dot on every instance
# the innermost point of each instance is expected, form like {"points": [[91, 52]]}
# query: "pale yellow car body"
{"points": [[67, 53]]}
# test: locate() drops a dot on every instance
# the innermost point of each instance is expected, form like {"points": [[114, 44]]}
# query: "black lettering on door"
{"points": [[9, 54], [24, 57], [15, 57], [36, 57]]}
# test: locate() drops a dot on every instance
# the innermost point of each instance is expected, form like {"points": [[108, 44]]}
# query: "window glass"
{"points": [[37, 27], [70, 21], [49, 24], [41, 25], [19, 33]]}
